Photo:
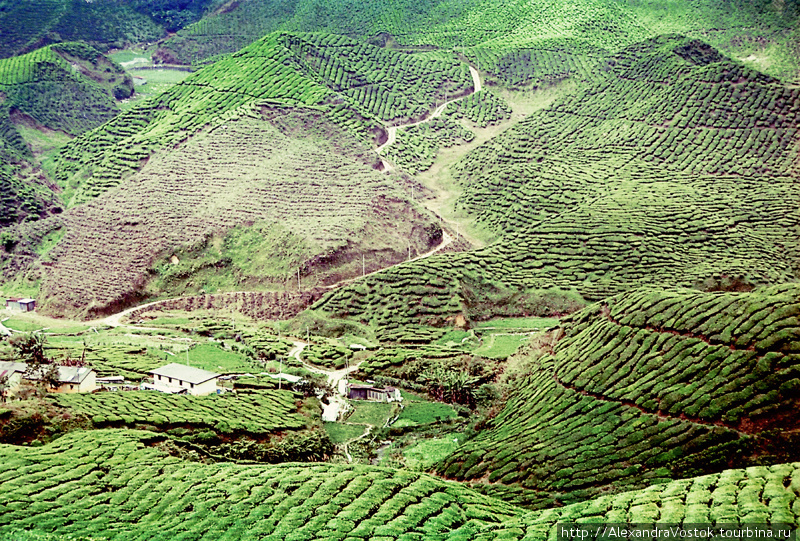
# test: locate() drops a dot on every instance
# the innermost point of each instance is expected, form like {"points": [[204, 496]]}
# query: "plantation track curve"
{"points": [[392, 130], [337, 405], [115, 320]]}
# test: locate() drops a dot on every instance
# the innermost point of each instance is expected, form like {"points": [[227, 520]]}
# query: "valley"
{"points": [[449, 270]]}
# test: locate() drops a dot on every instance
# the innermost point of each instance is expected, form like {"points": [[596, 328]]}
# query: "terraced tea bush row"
{"points": [[550, 62], [733, 359], [255, 412], [482, 108], [124, 483], [619, 198], [28, 25], [720, 119], [68, 87], [757, 495], [620, 407], [131, 362], [332, 356]]}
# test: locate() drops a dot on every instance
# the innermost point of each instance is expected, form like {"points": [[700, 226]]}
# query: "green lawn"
{"points": [[426, 453], [340, 432], [370, 413], [500, 346], [423, 413], [211, 357], [530, 323]]}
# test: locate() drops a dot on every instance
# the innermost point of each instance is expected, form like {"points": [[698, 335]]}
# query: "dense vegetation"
{"points": [[519, 43], [253, 413], [125, 486], [68, 88], [680, 167], [641, 388]]}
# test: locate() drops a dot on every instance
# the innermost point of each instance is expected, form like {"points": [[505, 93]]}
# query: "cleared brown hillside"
{"points": [[293, 169]]}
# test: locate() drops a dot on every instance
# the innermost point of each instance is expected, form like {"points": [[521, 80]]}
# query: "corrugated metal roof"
{"points": [[12, 366], [184, 373], [73, 374]]}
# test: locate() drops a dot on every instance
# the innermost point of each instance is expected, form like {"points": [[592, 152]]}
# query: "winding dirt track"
{"points": [[392, 130], [115, 320]]}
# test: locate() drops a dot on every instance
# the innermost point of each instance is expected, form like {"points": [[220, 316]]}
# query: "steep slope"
{"points": [[62, 89], [284, 174], [679, 168], [32, 24], [355, 85], [124, 485], [757, 495], [271, 140], [518, 43], [645, 387]]}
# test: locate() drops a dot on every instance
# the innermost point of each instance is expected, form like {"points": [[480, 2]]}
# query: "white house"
{"points": [[176, 378]]}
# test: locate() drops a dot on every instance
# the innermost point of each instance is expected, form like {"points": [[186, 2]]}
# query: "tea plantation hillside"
{"points": [[518, 43], [641, 388], [123, 485], [756, 495], [357, 86], [680, 168], [112, 484], [62, 89], [32, 24], [252, 204]]}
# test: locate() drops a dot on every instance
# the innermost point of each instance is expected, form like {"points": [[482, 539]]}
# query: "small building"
{"points": [[12, 373], [24, 305], [71, 379], [176, 378], [375, 394], [76, 379]]}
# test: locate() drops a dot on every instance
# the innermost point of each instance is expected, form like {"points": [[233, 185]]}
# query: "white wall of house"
{"points": [[171, 385]]}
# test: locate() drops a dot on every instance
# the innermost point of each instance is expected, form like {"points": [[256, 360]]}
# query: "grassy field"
{"points": [[425, 454], [213, 358], [370, 413]]}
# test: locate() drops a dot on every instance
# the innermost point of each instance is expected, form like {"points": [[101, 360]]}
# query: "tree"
{"points": [[29, 348], [4, 387]]}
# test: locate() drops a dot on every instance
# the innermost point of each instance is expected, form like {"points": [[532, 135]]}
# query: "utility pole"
{"points": [[280, 372], [298, 278]]}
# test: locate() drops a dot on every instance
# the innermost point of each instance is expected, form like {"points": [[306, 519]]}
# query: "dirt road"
{"points": [[392, 130], [336, 379]]}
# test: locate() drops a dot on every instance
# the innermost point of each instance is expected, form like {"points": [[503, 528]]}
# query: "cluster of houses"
{"points": [[173, 378]]}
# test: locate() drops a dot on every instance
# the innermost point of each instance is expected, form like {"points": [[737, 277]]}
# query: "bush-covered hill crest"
{"points": [[680, 167], [641, 388], [54, 93]]}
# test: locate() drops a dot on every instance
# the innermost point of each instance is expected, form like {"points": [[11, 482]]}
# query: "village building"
{"points": [[11, 373], [375, 394], [179, 378], [71, 379], [24, 305], [75, 379]]}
